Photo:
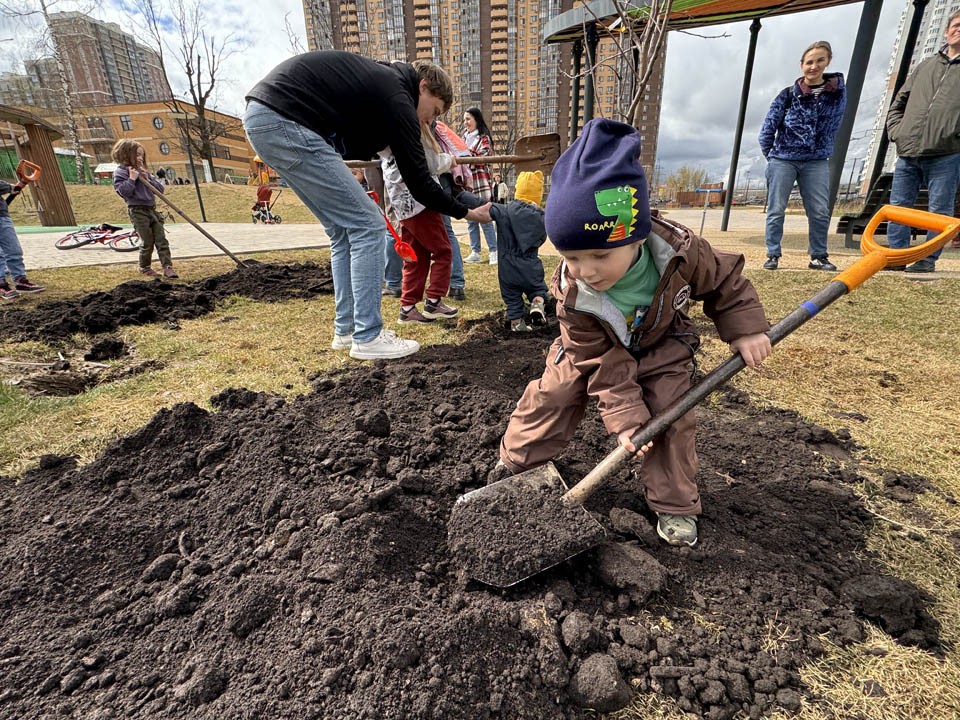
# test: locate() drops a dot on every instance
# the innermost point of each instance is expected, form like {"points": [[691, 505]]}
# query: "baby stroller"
{"points": [[262, 208]]}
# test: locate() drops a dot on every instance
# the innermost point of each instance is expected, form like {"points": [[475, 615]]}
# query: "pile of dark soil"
{"points": [[289, 559], [140, 302]]}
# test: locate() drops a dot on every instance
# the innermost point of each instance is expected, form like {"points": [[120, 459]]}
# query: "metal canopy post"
{"points": [[575, 91], [869, 18], [741, 117], [588, 89], [908, 44]]}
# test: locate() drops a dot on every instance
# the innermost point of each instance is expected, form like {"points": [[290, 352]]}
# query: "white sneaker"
{"points": [[538, 314], [473, 257], [386, 346], [342, 342], [493, 257]]}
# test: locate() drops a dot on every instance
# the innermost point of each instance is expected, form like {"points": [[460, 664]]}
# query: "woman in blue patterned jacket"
{"points": [[797, 141]]}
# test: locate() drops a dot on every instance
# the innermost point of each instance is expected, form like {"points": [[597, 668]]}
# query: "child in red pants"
{"points": [[424, 230]]}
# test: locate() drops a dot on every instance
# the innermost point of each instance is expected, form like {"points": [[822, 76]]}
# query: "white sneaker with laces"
{"points": [[493, 257], [473, 257], [386, 346], [342, 342]]}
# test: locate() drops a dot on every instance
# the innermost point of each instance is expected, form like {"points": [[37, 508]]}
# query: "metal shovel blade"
{"points": [[511, 530], [537, 152]]}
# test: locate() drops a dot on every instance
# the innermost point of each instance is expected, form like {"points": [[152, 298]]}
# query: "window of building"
{"points": [[158, 123], [164, 148], [126, 123]]}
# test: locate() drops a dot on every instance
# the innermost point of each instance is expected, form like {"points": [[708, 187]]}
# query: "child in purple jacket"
{"points": [[131, 161]]}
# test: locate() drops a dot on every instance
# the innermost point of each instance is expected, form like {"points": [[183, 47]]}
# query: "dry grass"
{"points": [[880, 362], [95, 204]]}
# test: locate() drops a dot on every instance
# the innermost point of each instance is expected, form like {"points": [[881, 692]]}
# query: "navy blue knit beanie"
{"points": [[598, 192]]}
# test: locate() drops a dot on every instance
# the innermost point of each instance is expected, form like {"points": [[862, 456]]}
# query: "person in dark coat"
{"points": [[520, 270]]}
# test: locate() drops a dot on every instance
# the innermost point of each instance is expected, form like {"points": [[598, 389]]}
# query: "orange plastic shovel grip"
{"points": [[27, 171], [876, 256]]}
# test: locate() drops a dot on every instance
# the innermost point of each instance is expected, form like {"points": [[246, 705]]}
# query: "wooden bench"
{"points": [[879, 195]]}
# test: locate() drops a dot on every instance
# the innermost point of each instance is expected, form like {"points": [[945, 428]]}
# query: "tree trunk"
{"points": [[72, 135]]}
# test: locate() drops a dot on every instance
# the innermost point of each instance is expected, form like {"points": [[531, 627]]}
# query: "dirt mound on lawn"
{"points": [[289, 559], [140, 302]]}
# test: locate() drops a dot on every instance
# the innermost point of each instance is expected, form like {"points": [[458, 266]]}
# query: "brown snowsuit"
{"points": [[634, 376]]}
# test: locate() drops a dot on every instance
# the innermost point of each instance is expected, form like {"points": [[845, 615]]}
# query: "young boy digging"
{"points": [[625, 337]]}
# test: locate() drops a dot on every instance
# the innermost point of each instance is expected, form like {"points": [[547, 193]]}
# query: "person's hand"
{"points": [[754, 349], [134, 174], [480, 214], [624, 440]]}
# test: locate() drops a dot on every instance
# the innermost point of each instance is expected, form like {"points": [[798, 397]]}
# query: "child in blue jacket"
{"points": [[521, 232]]}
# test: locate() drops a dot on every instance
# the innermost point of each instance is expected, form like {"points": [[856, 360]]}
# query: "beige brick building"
{"points": [[494, 53], [104, 65], [160, 128]]}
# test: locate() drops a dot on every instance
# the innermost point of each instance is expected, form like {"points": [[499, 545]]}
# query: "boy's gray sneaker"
{"points": [[499, 472], [473, 257], [677, 529], [772, 262], [342, 342]]}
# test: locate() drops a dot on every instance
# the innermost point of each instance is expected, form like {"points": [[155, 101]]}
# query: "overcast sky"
{"points": [[702, 86]]}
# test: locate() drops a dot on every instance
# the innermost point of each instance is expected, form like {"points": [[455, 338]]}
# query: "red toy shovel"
{"points": [[404, 249]]}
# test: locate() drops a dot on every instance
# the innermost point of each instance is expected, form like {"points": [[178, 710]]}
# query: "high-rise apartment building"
{"points": [[104, 66], [930, 39], [494, 53]]}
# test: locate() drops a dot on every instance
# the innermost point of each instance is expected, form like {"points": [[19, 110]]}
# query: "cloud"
{"points": [[258, 37], [704, 77]]}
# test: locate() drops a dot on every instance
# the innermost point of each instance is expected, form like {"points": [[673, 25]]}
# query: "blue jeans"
{"points": [[319, 177], [11, 254], [940, 174], [393, 275], [489, 232], [456, 267], [813, 179]]}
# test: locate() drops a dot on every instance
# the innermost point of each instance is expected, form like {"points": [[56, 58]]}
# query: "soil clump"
{"points": [[284, 558], [141, 302]]}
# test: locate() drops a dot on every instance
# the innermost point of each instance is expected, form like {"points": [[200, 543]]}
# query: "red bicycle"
{"points": [[116, 238]]}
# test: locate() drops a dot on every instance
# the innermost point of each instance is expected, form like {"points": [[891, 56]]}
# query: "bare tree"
{"points": [[637, 36], [296, 47], [318, 13], [200, 56], [43, 8]]}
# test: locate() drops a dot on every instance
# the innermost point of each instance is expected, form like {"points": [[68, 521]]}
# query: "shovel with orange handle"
{"points": [[523, 498], [27, 172]]}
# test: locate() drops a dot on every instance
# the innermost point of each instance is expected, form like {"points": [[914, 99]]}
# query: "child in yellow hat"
{"points": [[520, 233]]}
